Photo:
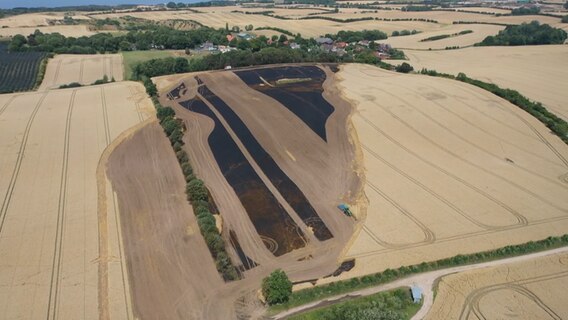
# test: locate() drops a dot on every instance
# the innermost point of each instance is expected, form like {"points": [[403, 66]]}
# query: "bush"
{"points": [[165, 112], [404, 68], [564, 19], [276, 288], [70, 85], [196, 190]]}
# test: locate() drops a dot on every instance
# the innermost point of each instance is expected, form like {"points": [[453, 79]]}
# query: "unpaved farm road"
{"points": [[424, 280]]}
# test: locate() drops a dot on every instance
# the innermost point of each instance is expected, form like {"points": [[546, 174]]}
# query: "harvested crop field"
{"points": [[529, 290], [248, 141], [534, 71], [449, 169], [168, 261], [58, 257], [68, 31], [83, 69]]}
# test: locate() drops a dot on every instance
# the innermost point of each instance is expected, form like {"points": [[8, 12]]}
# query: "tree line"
{"points": [[161, 37], [196, 191], [304, 296], [532, 33]]}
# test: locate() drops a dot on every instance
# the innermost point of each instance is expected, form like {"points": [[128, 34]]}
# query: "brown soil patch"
{"points": [[170, 270]]}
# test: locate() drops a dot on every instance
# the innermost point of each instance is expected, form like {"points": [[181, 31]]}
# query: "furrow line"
{"points": [[16, 171]]}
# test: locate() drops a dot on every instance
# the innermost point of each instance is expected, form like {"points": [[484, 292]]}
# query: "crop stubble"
{"points": [[449, 169], [49, 236]]}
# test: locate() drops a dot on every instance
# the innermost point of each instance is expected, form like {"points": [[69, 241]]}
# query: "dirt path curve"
{"points": [[424, 280]]}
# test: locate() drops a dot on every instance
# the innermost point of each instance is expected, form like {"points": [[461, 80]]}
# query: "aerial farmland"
{"points": [[351, 160]]}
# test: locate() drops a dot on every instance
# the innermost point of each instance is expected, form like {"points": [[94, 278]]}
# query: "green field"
{"points": [[131, 58], [394, 304]]}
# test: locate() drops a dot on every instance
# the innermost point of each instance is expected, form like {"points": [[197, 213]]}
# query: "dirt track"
{"points": [[427, 280]]}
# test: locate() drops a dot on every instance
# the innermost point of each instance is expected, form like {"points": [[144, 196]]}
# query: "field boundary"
{"points": [[305, 296]]}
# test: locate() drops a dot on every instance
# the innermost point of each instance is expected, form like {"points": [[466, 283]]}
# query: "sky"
{"points": [[7, 4]]}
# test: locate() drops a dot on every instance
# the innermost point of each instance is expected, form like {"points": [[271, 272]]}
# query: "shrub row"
{"points": [[444, 36], [557, 125], [196, 191], [301, 297], [277, 29]]}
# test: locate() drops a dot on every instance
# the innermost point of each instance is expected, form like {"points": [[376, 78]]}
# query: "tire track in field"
{"points": [[460, 237], [53, 302], [56, 74], [429, 236], [7, 104], [108, 139], [472, 301], [81, 70], [105, 67], [457, 156], [16, 171], [472, 124], [136, 103], [530, 126], [451, 132], [521, 220]]}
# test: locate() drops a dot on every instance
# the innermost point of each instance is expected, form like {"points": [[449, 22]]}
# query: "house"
{"points": [[384, 47], [209, 46], [324, 41], [364, 43], [230, 37], [326, 47], [294, 45], [341, 45], [244, 35]]}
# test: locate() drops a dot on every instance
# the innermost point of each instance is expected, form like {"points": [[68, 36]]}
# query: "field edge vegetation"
{"points": [[198, 195], [308, 295]]}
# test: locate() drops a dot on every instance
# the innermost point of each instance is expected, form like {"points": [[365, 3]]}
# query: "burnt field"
{"points": [[19, 70], [273, 147], [303, 98], [279, 233]]}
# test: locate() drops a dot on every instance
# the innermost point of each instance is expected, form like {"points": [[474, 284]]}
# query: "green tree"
{"points": [[276, 288], [171, 5], [404, 68], [565, 18]]}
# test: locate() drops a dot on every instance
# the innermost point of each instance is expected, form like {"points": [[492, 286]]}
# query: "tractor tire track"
{"points": [[472, 302], [16, 171], [521, 220], [53, 301], [81, 70], [133, 95], [531, 127], [7, 104], [459, 237], [56, 75], [500, 177], [475, 146], [429, 236], [473, 125]]}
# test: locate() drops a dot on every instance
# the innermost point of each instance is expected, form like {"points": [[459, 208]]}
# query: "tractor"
{"points": [[345, 208]]}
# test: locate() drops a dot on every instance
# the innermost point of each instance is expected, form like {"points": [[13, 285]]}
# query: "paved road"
{"points": [[423, 280]]}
